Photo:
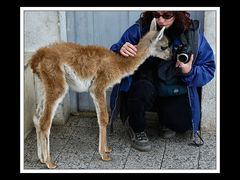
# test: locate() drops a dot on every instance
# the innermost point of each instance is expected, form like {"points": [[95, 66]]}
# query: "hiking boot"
{"points": [[167, 133], [139, 140]]}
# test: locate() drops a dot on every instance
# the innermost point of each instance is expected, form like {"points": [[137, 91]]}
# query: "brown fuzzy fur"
{"points": [[100, 66]]}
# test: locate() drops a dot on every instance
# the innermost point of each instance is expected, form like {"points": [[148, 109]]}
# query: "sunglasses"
{"points": [[164, 15]]}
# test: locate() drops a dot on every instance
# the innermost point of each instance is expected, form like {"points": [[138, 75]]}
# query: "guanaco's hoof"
{"points": [[108, 149], [106, 157], [51, 165]]}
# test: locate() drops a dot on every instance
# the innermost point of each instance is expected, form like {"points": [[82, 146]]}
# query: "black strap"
{"points": [[194, 141], [192, 36], [183, 39]]}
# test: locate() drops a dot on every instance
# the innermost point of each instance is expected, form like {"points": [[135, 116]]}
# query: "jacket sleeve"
{"points": [[204, 66], [131, 35]]}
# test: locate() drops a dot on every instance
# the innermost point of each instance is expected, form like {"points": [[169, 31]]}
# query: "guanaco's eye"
{"points": [[164, 48]]}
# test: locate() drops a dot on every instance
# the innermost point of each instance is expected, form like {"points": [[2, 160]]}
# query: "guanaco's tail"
{"points": [[35, 60]]}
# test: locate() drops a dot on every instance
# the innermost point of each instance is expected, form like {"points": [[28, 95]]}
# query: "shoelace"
{"points": [[141, 136]]}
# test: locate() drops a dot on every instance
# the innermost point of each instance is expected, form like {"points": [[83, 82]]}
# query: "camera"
{"points": [[183, 53]]}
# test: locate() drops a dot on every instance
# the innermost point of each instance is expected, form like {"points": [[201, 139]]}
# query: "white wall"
{"points": [[40, 29], [209, 90]]}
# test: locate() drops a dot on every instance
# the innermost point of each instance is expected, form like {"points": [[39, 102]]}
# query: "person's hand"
{"points": [[186, 68], [128, 50]]}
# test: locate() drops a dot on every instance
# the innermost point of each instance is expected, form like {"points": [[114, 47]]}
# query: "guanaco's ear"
{"points": [[153, 26], [160, 35]]}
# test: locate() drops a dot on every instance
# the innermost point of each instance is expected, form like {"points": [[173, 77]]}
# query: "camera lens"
{"points": [[183, 57]]}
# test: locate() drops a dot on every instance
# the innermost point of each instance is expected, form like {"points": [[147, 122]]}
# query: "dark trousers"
{"points": [[174, 112]]}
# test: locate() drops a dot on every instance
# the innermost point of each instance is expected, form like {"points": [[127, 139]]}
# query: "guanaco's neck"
{"points": [[127, 65]]}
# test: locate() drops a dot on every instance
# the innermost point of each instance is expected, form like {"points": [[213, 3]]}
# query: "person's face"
{"points": [[164, 18]]}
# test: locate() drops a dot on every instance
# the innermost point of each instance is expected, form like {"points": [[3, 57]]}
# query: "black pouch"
{"points": [[172, 87]]}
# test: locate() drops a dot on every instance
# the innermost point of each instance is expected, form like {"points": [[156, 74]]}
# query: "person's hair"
{"points": [[181, 23]]}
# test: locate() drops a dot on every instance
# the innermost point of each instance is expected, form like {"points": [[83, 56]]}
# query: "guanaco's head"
{"points": [[159, 45]]}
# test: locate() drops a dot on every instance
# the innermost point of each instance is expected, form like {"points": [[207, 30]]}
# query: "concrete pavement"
{"points": [[74, 146]]}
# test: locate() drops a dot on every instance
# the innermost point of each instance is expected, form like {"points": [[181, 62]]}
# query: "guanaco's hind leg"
{"points": [[99, 98], [53, 94]]}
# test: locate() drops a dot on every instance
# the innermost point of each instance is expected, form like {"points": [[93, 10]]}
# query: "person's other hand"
{"points": [[128, 49], [186, 68]]}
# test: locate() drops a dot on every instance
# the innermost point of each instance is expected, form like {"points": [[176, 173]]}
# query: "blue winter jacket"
{"points": [[202, 72]]}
